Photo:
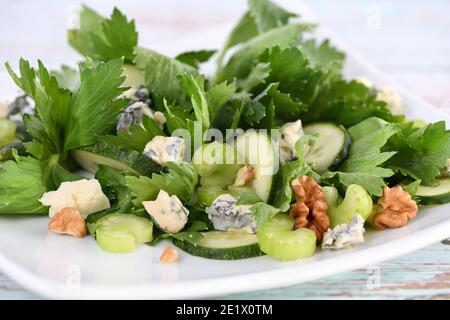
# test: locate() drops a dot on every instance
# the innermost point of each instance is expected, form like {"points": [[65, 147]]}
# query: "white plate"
{"points": [[62, 267]]}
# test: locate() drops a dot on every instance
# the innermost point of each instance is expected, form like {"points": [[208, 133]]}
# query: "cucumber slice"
{"points": [[115, 156], [119, 233], [330, 149], [215, 157], [134, 76], [7, 131], [256, 149], [278, 239], [438, 193], [223, 245], [356, 202]]}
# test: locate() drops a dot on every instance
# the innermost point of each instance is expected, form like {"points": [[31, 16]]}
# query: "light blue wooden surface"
{"points": [[408, 40]]}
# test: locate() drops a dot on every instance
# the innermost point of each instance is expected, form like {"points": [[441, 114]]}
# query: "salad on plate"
{"points": [[274, 153]]}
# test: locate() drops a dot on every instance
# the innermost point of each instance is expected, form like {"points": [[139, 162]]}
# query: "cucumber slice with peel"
{"points": [[119, 233], [438, 193], [223, 245], [115, 156], [278, 239], [356, 202], [330, 149]]}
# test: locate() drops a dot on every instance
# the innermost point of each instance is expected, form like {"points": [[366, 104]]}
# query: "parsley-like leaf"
{"points": [[94, 108], [363, 165], [104, 39], [161, 76], [52, 104], [421, 153], [262, 212], [180, 180], [195, 58], [291, 171], [268, 15], [348, 103], [21, 186], [194, 87], [323, 56], [137, 136], [241, 63], [67, 77]]}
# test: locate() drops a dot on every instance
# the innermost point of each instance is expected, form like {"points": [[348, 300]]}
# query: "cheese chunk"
{"points": [[226, 215], [86, 196], [344, 235], [290, 133], [167, 212], [392, 99], [164, 149], [364, 81]]}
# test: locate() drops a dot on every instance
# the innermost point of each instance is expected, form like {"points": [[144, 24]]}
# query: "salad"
{"points": [[274, 153]]}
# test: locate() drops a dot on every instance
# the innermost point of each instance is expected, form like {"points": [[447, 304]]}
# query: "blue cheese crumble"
{"points": [[226, 215], [139, 107], [164, 149], [290, 132], [167, 212], [344, 235]]}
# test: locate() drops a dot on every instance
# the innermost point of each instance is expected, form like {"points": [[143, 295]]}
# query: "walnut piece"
{"points": [[244, 176], [310, 210], [169, 255], [68, 221], [397, 208]]}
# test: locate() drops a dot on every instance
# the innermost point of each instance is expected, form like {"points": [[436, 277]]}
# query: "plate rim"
{"points": [[217, 286]]}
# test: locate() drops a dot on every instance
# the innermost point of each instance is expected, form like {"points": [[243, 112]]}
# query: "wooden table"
{"points": [[408, 40]]}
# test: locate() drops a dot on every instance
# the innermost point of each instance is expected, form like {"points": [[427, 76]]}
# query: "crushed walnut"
{"points": [[169, 255], [68, 221], [244, 176], [397, 208], [310, 210]]}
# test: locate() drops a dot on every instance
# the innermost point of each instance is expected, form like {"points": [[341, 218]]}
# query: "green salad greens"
{"points": [[275, 152]]}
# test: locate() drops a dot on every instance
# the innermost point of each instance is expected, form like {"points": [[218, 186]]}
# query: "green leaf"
{"points": [[348, 103], [53, 174], [218, 95], [104, 39], [52, 104], [21, 186], [254, 112], [263, 212], [180, 180], [268, 15], [421, 153], [291, 171], [195, 58], [94, 108], [67, 77], [262, 16], [114, 180], [362, 166], [161, 76], [411, 187], [257, 76], [323, 56], [241, 63], [195, 89], [248, 198], [137, 136], [293, 73]]}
